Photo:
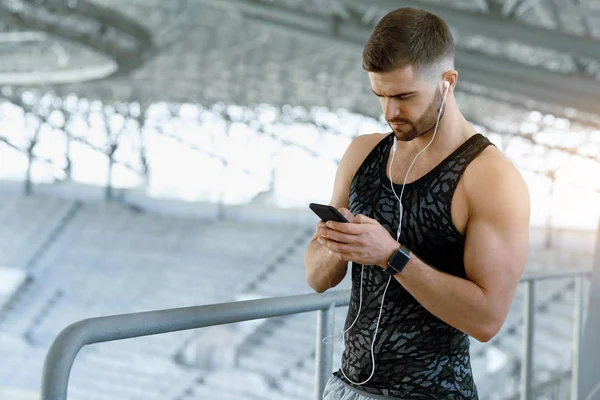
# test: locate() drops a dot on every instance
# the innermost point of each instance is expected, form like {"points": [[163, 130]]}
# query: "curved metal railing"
{"points": [[66, 346]]}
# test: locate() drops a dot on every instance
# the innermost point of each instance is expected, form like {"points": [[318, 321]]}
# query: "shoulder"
{"points": [[359, 149], [362, 145], [355, 155], [493, 184]]}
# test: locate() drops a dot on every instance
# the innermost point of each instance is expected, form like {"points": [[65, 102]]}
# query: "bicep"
{"points": [[497, 235], [341, 186]]}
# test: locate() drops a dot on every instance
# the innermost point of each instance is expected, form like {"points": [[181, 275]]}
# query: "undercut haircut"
{"points": [[409, 36]]}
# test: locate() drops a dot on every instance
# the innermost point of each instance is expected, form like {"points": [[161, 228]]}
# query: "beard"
{"points": [[412, 130]]}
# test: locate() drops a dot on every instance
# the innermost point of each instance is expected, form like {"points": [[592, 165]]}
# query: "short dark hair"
{"points": [[408, 36]]}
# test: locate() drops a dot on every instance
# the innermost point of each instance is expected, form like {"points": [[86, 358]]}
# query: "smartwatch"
{"points": [[398, 261]]}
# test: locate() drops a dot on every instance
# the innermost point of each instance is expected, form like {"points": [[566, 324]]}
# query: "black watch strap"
{"points": [[399, 259]]}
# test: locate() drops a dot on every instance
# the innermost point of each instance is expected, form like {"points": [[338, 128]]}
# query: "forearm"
{"points": [[458, 302], [323, 270]]}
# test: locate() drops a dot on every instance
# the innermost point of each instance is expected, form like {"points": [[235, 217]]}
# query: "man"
{"points": [[450, 269]]}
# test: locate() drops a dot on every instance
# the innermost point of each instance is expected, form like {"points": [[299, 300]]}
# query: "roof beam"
{"points": [[22, 37], [501, 29], [495, 73], [509, 6], [59, 76], [110, 32]]}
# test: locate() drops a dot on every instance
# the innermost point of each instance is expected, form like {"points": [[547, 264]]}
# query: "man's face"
{"points": [[410, 105]]}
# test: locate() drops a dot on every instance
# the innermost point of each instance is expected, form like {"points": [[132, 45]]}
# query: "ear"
{"points": [[451, 77]]}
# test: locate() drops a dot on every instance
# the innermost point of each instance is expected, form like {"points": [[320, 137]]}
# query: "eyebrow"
{"points": [[395, 95]]}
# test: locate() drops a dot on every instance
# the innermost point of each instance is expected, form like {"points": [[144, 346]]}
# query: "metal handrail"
{"points": [[63, 351], [526, 391], [68, 343]]}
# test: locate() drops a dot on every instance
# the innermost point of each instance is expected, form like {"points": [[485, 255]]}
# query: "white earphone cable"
{"points": [[401, 207], [397, 239], [341, 336], [372, 341]]}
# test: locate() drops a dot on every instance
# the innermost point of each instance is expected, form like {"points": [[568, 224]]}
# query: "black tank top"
{"points": [[417, 356]]}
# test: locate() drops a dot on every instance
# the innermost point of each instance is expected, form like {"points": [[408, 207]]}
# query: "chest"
{"points": [[402, 169], [432, 222], [432, 195], [431, 211]]}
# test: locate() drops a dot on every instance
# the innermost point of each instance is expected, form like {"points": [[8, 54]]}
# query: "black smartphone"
{"points": [[327, 212]]}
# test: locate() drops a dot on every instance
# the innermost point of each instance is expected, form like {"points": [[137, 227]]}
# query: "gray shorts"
{"points": [[336, 389]]}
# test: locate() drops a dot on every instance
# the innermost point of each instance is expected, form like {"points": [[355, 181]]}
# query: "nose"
{"points": [[391, 110]]}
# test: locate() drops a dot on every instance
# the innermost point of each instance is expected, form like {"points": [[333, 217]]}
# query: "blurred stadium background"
{"points": [[161, 154]]}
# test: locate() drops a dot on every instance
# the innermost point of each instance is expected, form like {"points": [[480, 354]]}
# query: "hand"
{"points": [[362, 240]]}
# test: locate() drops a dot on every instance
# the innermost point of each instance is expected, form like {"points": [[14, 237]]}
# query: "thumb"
{"points": [[363, 219], [347, 213]]}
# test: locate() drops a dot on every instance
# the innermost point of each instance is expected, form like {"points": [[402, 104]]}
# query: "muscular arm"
{"points": [[497, 240], [323, 270]]}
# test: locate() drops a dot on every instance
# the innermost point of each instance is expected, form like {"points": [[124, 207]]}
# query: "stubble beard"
{"points": [[424, 125]]}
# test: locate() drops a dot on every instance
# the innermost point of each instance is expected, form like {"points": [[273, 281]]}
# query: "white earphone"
{"points": [[447, 87]]}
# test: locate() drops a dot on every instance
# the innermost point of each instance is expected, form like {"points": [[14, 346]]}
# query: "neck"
{"points": [[453, 129]]}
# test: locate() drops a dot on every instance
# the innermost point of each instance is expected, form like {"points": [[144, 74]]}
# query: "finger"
{"points": [[320, 227], [363, 219], [338, 236], [349, 228], [334, 246], [347, 213], [348, 257]]}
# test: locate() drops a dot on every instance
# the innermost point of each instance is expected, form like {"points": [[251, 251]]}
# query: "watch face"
{"points": [[399, 260], [405, 251]]}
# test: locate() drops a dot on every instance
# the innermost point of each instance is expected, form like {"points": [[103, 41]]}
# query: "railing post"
{"points": [[527, 360], [324, 351], [577, 330], [589, 360]]}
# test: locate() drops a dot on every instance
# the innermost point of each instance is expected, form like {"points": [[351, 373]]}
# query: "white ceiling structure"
{"points": [[530, 54], [529, 70]]}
